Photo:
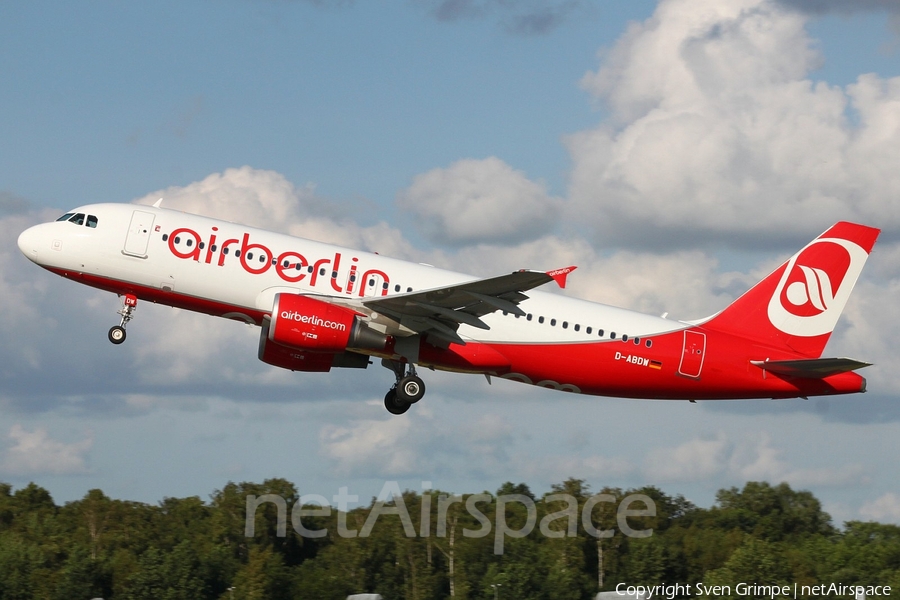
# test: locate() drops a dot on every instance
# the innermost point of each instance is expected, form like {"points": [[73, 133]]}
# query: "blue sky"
{"points": [[675, 151]]}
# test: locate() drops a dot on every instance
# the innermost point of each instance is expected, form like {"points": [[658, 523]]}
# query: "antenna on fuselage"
{"points": [[157, 203]]}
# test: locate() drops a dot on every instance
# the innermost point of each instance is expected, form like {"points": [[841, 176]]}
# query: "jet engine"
{"points": [[308, 324]]}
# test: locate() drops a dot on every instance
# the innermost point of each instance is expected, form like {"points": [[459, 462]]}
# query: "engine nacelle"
{"points": [[294, 360], [311, 325], [299, 360]]}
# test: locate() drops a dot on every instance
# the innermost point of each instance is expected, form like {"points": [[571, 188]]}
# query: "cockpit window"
{"points": [[79, 219]]}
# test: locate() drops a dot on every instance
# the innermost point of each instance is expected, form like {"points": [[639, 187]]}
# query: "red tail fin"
{"points": [[798, 305]]}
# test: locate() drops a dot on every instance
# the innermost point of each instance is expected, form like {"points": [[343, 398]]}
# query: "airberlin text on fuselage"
{"points": [[291, 266]]}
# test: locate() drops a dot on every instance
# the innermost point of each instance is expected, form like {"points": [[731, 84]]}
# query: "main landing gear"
{"points": [[408, 390], [117, 332]]}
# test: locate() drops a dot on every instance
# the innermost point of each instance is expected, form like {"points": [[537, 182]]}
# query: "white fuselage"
{"points": [[194, 259]]}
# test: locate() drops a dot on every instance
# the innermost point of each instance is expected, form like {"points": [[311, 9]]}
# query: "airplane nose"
{"points": [[28, 243]]}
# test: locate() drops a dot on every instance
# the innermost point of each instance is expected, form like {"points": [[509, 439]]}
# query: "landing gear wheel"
{"points": [[394, 404], [408, 390], [116, 334], [411, 389], [129, 305]]}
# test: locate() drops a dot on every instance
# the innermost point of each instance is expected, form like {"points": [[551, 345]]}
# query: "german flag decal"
{"points": [[655, 364]]}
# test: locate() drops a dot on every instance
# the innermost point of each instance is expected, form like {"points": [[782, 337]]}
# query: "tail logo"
{"points": [[815, 286]]}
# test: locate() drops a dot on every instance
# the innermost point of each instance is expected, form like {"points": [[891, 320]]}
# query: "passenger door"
{"points": [[692, 354], [138, 236]]}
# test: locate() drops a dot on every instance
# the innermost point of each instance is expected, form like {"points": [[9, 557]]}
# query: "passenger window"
{"points": [[588, 330], [249, 256], [648, 343], [528, 317], [189, 242], [637, 341], [565, 324], [65, 217], [612, 335], [397, 288], [92, 221], [165, 236], [78, 219], [262, 258], [577, 327], [552, 322], [600, 332], [625, 337], [541, 320]]}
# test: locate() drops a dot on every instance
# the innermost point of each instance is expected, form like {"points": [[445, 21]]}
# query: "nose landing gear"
{"points": [[408, 390], [117, 332]]}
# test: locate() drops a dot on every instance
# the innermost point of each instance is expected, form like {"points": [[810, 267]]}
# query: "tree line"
{"points": [[188, 548]]}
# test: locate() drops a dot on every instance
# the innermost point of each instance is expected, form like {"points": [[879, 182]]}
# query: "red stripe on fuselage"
{"points": [[161, 296]]}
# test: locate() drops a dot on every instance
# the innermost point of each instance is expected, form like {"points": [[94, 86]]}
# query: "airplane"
{"points": [[321, 306]]}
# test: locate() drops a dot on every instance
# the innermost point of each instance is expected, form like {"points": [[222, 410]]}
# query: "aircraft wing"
{"points": [[440, 311], [810, 368]]}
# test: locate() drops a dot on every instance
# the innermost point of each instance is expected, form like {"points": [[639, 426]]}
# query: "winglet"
{"points": [[158, 203], [559, 275]]}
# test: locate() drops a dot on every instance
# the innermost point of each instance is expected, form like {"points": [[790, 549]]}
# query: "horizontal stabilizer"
{"points": [[810, 368]]}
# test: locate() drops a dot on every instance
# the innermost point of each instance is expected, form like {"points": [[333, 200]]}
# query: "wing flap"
{"points": [[810, 368], [441, 311]]}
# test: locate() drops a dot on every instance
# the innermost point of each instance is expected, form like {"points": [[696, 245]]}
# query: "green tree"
{"points": [[756, 561]]}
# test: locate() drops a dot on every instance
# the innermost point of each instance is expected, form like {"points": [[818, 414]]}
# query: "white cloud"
{"points": [[476, 201], [883, 508], [842, 6], [755, 458], [36, 453], [716, 132], [266, 199], [246, 195], [383, 447], [748, 458], [693, 460]]}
